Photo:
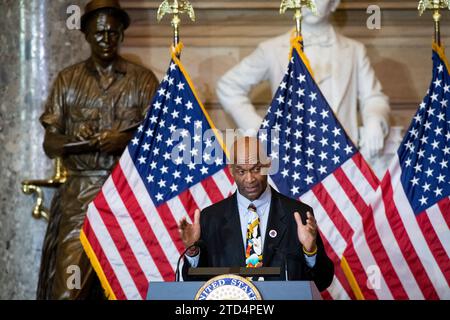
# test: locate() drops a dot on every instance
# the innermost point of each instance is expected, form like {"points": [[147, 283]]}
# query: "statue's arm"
{"points": [[53, 121]]}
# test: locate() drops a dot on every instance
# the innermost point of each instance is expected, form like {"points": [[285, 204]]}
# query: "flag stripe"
{"points": [[152, 217], [117, 235], [440, 227], [444, 206], [372, 237], [341, 223], [227, 172], [223, 183], [358, 180], [131, 233], [393, 249], [110, 250], [326, 295], [330, 207], [333, 242], [435, 245], [339, 280], [212, 190], [366, 171], [336, 291], [416, 238], [344, 196], [151, 241], [200, 196], [107, 269], [171, 225], [404, 242], [189, 204], [326, 226]]}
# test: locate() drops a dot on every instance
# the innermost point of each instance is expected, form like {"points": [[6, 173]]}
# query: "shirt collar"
{"points": [[264, 199], [119, 65]]}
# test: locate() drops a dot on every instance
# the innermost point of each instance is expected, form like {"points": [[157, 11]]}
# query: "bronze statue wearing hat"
{"points": [[87, 121]]}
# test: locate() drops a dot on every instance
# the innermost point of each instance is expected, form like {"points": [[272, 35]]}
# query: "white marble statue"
{"points": [[341, 69]]}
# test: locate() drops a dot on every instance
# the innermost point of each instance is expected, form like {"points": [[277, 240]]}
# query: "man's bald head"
{"points": [[248, 150]]}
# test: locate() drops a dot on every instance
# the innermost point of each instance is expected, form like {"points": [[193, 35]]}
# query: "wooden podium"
{"points": [[269, 290]]}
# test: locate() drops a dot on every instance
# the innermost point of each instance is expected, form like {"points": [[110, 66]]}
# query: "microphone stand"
{"points": [[177, 272]]}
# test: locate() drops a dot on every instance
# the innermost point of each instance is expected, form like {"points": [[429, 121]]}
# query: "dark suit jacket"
{"points": [[222, 241]]}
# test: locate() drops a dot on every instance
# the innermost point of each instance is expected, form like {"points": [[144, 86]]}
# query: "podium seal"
{"points": [[228, 287]]}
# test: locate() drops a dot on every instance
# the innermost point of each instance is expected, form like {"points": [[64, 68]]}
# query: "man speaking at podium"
{"points": [[257, 226]]}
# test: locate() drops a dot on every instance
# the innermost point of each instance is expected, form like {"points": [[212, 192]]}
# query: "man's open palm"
{"points": [[190, 233]]}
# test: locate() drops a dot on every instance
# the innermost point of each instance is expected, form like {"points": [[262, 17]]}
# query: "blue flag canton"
{"points": [[425, 151], [304, 139], [175, 147]]}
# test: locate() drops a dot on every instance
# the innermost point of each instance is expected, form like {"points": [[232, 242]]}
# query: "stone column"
{"points": [[35, 44]]}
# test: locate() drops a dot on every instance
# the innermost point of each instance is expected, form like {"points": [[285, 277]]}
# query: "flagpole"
{"points": [[297, 5], [436, 6], [176, 7]]}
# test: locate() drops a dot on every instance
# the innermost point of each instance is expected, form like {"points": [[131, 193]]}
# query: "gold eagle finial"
{"points": [[433, 5], [298, 4], [177, 7]]}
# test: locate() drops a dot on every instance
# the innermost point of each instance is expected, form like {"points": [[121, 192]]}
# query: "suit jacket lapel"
{"points": [[276, 222], [232, 235]]}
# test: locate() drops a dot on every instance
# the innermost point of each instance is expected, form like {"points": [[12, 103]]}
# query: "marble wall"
{"points": [[34, 45]]}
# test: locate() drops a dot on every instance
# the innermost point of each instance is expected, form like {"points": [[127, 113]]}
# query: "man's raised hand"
{"points": [[190, 233]]}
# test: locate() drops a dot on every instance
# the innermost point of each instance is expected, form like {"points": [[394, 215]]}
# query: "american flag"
{"points": [[319, 164], [412, 208], [174, 164]]}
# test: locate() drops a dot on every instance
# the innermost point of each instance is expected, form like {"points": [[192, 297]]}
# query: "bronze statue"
{"points": [[88, 120]]}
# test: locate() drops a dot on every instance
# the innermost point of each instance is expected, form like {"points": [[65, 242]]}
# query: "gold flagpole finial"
{"points": [[436, 6], [176, 7], [297, 5]]}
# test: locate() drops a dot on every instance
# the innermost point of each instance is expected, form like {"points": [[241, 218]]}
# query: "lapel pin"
{"points": [[273, 234]]}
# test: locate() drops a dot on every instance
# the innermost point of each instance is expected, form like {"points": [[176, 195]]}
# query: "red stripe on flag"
{"points": [[366, 170], [103, 261], [345, 229], [326, 295], [405, 244], [145, 230], [122, 245], [188, 202], [171, 225], [444, 206], [212, 190], [333, 211], [228, 174], [337, 268], [435, 244], [372, 237]]}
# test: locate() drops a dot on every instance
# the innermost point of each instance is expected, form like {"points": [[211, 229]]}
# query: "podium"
{"points": [[269, 290]]}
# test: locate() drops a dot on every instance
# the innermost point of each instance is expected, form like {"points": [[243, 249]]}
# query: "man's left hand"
{"points": [[307, 233]]}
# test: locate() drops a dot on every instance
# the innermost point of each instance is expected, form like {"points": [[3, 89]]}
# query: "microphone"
{"points": [[198, 243], [284, 254]]}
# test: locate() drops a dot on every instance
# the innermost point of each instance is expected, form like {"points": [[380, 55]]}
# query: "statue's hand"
{"points": [[85, 132], [373, 138], [113, 141]]}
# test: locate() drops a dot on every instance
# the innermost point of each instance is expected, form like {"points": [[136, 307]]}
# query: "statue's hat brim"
{"points": [[95, 5]]}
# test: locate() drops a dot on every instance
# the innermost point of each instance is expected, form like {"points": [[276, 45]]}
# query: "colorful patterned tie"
{"points": [[253, 253]]}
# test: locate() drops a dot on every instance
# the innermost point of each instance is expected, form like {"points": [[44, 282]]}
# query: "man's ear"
{"points": [[122, 35]]}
